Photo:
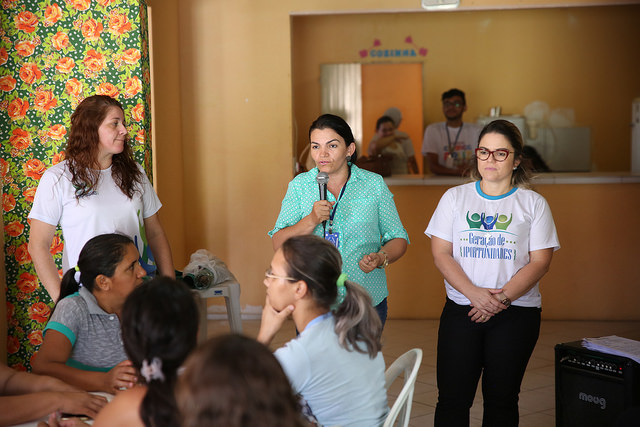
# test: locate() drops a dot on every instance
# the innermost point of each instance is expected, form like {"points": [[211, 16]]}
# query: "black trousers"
{"points": [[498, 349]]}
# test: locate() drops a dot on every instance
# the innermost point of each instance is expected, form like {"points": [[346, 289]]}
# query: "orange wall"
{"points": [[594, 275], [223, 95], [579, 58], [393, 85], [168, 159]]}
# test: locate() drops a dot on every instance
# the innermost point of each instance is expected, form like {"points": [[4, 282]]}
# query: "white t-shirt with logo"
{"points": [[492, 236]]}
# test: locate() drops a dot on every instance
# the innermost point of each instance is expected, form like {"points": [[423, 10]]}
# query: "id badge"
{"points": [[334, 238], [449, 161]]}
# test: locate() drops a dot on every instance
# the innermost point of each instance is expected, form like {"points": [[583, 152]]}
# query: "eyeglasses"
{"points": [[269, 275], [451, 104], [499, 155]]}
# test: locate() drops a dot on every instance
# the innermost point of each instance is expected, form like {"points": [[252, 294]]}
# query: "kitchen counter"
{"points": [[595, 223], [542, 178]]}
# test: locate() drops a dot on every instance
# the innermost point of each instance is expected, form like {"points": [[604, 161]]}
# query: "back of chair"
{"points": [[408, 363]]}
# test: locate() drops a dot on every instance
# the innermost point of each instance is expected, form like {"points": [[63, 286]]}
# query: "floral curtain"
{"points": [[53, 54]]}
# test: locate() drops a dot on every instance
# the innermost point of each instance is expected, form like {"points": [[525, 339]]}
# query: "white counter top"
{"points": [[542, 178]]}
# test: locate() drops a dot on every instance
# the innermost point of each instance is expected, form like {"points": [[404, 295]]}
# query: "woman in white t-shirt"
{"points": [[98, 189], [335, 363], [492, 240]]}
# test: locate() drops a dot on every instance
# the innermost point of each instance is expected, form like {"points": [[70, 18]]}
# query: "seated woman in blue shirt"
{"points": [[82, 343], [359, 216], [335, 363]]}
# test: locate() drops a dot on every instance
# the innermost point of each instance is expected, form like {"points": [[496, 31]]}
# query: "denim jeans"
{"points": [[382, 309]]}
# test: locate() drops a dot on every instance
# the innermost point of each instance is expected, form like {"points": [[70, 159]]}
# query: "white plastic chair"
{"points": [[408, 363], [230, 290]]}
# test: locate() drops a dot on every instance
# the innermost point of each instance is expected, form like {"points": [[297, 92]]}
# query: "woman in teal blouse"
{"points": [[359, 216]]}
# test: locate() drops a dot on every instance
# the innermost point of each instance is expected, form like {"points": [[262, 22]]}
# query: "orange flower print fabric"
{"points": [[53, 54]]}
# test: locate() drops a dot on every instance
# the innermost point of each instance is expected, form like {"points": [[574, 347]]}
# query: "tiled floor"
{"points": [[537, 398]]}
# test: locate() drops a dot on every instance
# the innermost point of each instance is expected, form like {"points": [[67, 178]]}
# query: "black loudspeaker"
{"points": [[592, 388]]}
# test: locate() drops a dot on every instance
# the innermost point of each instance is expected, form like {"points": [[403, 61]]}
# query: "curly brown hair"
{"points": [[83, 148]]}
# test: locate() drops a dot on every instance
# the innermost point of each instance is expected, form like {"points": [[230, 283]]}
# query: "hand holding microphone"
{"points": [[322, 209]]}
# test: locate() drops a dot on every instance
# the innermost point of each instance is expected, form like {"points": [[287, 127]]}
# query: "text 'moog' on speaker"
{"points": [[593, 388]]}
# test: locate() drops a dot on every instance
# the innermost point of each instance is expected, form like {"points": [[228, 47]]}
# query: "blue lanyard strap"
{"points": [[446, 130], [335, 207]]}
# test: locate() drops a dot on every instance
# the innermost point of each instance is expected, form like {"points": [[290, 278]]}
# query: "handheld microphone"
{"points": [[322, 179]]}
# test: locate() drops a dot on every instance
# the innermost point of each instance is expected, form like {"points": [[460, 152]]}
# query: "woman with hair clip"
{"points": [[235, 381], [159, 330], [82, 344], [335, 363], [357, 214], [97, 189], [492, 240]]}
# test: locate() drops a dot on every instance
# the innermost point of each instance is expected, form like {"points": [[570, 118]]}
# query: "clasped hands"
{"points": [[485, 303]]}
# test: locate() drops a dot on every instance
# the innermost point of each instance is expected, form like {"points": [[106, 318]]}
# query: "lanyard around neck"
{"points": [[335, 207], [446, 129]]}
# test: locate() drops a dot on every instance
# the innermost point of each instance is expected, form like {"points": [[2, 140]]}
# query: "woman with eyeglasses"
{"points": [[492, 240], [336, 362]]}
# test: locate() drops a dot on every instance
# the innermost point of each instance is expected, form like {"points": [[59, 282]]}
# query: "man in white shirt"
{"points": [[448, 147]]}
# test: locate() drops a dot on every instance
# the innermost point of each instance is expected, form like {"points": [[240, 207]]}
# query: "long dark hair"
{"points": [[160, 322], [100, 255], [318, 263], [339, 126], [235, 381], [83, 146], [521, 176]]}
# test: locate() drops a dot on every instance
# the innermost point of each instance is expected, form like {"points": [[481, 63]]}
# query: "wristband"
{"points": [[506, 301], [385, 263]]}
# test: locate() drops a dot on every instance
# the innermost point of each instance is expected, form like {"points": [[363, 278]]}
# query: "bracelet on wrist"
{"points": [[504, 299], [385, 263]]}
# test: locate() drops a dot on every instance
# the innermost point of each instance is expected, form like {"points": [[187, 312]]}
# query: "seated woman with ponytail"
{"points": [[82, 344], [159, 330], [335, 363]]}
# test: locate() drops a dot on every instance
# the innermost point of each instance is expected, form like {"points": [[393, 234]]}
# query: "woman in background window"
{"points": [[397, 145]]}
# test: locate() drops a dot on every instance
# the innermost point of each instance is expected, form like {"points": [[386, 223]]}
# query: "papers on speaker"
{"points": [[614, 345]]}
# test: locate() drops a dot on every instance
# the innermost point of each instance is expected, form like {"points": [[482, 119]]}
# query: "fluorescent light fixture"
{"points": [[440, 4]]}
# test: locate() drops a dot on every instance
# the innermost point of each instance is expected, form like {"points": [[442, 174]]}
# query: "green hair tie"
{"points": [[341, 279], [76, 268]]}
